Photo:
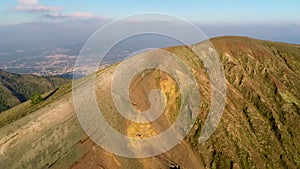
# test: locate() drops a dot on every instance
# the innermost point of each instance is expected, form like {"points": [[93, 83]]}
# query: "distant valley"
{"points": [[60, 61], [15, 88]]}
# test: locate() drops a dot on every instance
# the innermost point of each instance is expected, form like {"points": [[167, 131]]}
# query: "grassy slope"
{"points": [[15, 88], [260, 125]]}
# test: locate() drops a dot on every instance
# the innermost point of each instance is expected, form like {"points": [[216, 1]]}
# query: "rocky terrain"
{"points": [[259, 128]]}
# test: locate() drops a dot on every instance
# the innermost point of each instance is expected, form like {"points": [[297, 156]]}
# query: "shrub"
{"points": [[36, 98]]}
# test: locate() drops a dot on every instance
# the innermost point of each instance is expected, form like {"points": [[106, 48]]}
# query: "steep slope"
{"points": [[15, 88], [260, 125], [259, 128]]}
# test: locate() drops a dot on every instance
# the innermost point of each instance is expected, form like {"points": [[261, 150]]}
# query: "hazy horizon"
{"points": [[43, 32], [36, 24]]}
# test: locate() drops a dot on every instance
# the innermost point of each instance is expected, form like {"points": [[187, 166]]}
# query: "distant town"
{"points": [[57, 62]]}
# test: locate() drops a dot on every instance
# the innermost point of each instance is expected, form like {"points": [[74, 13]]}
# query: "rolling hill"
{"points": [[259, 128], [15, 88]]}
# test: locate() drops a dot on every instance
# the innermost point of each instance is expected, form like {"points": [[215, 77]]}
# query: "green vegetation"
{"points": [[36, 98], [258, 128], [15, 89]]}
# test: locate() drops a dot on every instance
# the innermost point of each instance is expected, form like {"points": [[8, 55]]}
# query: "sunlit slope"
{"points": [[259, 129]]}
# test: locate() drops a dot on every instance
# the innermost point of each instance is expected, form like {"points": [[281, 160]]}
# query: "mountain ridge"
{"points": [[259, 127]]}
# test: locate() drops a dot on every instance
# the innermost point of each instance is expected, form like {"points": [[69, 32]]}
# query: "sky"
{"points": [[208, 11], [45, 22]]}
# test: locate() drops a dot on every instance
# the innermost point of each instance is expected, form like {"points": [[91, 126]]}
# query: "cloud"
{"points": [[28, 1], [34, 6], [53, 12], [74, 15], [83, 15]]}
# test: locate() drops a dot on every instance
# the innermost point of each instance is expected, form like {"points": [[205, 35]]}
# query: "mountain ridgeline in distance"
{"points": [[15, 88], [259, 127]]}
